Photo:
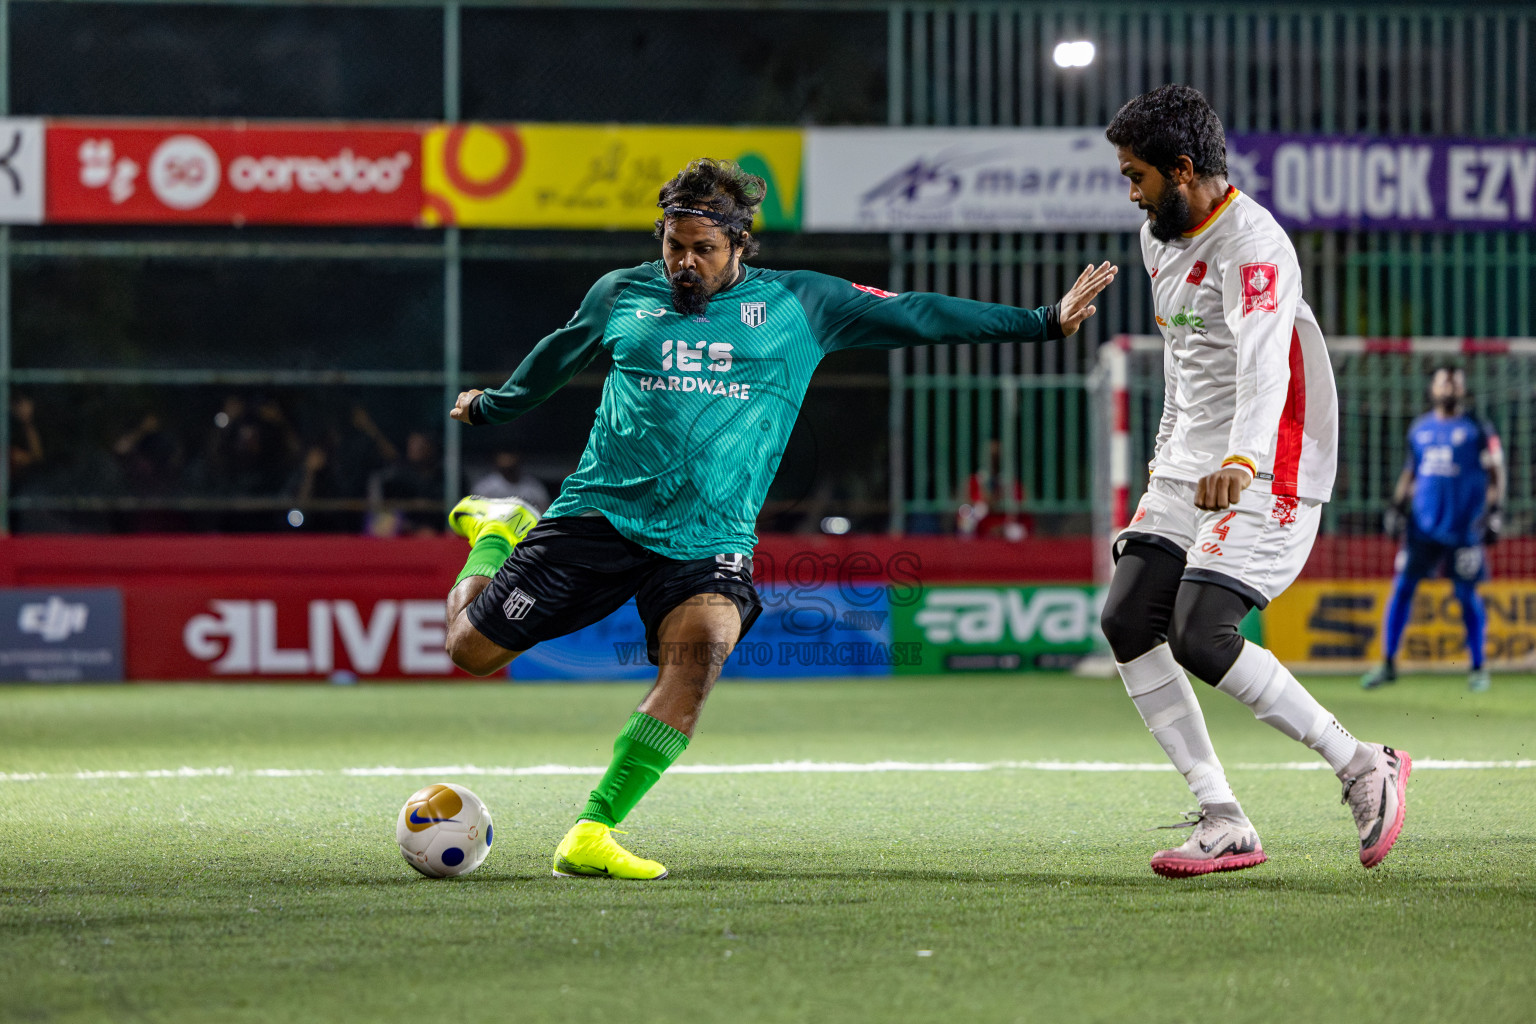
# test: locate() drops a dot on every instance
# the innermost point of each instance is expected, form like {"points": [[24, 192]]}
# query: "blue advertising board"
{"points": [[805, 632], [61, 636]]}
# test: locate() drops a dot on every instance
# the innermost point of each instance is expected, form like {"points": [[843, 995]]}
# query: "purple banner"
{"points": [[1398, 183]]}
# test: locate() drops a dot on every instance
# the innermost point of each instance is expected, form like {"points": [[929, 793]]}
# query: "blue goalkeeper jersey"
{"points": [[1450, 482], [697, 410]]}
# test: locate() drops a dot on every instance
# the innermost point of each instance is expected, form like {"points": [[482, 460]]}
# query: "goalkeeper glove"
{"points": [[1493, 524], [1394, 521]]}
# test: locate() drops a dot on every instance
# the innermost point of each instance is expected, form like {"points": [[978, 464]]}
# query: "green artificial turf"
{"points": [[1010, 894]]}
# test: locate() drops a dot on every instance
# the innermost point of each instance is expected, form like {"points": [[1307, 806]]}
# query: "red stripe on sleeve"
{"points": [[1293, 420]]}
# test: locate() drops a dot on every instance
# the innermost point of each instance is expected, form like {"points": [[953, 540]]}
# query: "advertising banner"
{"points": [[21, 170], [1325, 623], [591, 176], [200, 173], [802, 632], [1023, 179], [291, 629], [964, 179], [60, 635], [998, 628], [343, 608], [1393, 183]]}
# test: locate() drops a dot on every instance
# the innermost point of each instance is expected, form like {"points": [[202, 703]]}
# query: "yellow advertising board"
{"points": [[590, 175], [1338, 622]]}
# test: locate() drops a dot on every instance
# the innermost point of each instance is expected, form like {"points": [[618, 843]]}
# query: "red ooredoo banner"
{"points": [[106, 172]]}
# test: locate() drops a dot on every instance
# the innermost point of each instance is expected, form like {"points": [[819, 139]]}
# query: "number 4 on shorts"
{"points": [[1223, 525]]}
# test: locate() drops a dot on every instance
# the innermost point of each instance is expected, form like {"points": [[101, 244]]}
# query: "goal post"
{"points": [[1330, 619]]}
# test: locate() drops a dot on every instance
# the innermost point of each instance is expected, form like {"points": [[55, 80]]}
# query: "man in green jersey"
{"points": [[711, 359]]}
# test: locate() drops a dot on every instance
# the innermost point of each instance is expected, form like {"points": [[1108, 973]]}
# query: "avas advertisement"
{"points": [[1337, 624], [998, 627], [591, 176], [145, 173]]}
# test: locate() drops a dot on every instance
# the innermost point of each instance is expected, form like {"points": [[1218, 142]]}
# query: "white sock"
{"points": [[1162, 693], [1259, 680]]}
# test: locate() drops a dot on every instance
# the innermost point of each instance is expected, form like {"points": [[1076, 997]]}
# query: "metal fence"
{"points": [[1314, 67], [437, 314]]}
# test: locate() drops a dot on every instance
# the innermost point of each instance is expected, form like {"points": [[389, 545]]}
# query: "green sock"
{"points": [[646, 748], [486, 557]]}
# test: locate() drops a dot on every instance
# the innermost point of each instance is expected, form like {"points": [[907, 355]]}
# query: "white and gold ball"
{"points": [[443, 830]]}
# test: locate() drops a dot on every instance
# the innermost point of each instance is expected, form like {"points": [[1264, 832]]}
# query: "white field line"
{"points": [[772, 768]]}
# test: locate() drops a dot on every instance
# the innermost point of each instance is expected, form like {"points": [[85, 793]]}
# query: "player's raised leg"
{"points": [[493, 528], [694, 639], [1136, 615]]}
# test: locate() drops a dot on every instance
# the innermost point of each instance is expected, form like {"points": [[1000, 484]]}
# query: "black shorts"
{"points": [[572, 571], [1422, 557]]}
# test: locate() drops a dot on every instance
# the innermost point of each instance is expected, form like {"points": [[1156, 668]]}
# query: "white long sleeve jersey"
{"points": [[1247, 377]]}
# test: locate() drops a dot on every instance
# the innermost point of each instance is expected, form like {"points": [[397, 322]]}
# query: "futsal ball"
{"points": [[444, 830]]}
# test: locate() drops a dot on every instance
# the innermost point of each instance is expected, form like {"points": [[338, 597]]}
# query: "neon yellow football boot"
{"points": [[474, 516], [589, 851]]}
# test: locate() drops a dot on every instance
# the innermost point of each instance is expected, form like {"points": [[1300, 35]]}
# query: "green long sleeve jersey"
{"points": [[697, 410]]}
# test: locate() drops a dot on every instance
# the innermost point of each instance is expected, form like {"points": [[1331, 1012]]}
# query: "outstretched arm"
{"points": [[1077, 305], [845, 315]]}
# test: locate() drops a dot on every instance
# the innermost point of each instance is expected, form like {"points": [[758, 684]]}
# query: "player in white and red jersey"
{"points": [[1243, 463]]}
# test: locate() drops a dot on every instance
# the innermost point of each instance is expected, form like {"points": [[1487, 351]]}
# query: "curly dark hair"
{"points": [[721, 188], [1170, 121]]}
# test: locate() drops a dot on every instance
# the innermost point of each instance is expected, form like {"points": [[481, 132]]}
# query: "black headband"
{"points": [[688, 211]]}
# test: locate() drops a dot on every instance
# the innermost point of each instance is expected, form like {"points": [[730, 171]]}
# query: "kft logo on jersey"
{"points": [[754, 314], [517, 605], [1258, 287]]}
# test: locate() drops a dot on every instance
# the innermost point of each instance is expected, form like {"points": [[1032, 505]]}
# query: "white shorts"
{"points": [[1257, 547]]}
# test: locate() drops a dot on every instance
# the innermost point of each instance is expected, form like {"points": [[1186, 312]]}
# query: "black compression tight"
{"points": [[1149, 603]]}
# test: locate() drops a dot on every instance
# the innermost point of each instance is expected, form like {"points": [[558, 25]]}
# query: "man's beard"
{"points": [[691, 301], [1172, 215], [1449, 406]]}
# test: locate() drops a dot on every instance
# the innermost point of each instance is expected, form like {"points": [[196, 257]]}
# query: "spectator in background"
{"points": [[361, 450], [252, 449], [251, 454], [151, 460], [26, 442], [337, 468], [405, 498], [508, 479], [981, 514]]}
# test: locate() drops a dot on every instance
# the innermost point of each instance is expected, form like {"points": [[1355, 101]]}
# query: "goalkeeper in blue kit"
{"points": [[711, 360], [1448, 506]]}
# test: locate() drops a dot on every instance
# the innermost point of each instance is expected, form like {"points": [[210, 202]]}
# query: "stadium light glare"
{"points": [[295, 518], [1074, 54], [835, 525]]}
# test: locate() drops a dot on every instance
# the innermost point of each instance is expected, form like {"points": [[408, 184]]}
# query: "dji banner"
{"points": [[61, 636]]}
